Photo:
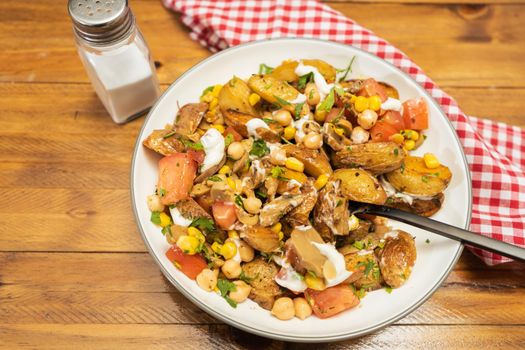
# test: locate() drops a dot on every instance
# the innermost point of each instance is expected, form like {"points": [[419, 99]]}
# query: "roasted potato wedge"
{"points": [[286, 71], [261, 238], [274, 210], [359, 185], [273, 90], [234, 96], [261, 274], [315, 162], [390, 90], [423, 207], [376, 157], [397, 258], [413, 177]]}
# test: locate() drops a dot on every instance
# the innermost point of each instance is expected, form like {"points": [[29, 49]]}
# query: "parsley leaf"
{"points": [[424, 178], [328, 102], [260, 194], [193, 145], [166, 230], [297, 110], [161, 192], [239, 201], [396, 152], [155, 217], [259, 148], [305, 79], [427, 241], [228, 140], [246, 279], [277, 172], [282, 102], [368, 267], [215, 178], [348, 69], [225, 287], [170, 134], [388, 289], [268, 120], [359, 245], [203, 223], [208, 89], [264, 69]]}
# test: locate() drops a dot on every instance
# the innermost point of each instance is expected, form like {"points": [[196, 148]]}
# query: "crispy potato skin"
{"points": [[376, 157], [165, 146], [390, 90], [286, 70], [234, 95], [299, 215], [315, 162], [397, 258], [264, 289], [237, 120], [272, 90], [359, 185], [415, 178], [261, 238], [419, 206]]}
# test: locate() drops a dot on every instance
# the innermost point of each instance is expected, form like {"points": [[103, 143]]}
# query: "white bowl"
{"points": [[434, 260]]}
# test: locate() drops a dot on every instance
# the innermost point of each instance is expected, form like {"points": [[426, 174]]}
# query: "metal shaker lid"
{"points": [[101, 21]]}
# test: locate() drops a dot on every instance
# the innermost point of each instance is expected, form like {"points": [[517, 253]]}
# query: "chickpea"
{"points": [[175, 232], [277, 156], [207, 280], [246, 251], [154, 203], [302, 308], [313, 141], [359, 135], [252, 205], [231, 269], [283, 309], [241, 292], [235, 150], [283, 117], [367, 119], [312, 94]]}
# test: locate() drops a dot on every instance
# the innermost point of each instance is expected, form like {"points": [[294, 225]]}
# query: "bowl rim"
{"points": [[268, 334]]}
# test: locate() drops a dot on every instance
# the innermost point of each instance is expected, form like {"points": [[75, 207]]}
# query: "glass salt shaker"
{"points": [[115, 56]]}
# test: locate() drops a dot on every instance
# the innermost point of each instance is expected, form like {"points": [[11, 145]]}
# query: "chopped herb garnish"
{"points": [[328, 102], [396, 152], [215, 178], [427, 241], [388, 289], [311, 273], [360, 293], [359, 245], [277, 172], [339, 202], [208, 89], [268, 120], [170, 134], [282, 102], [260, 194], [402, 168], [264, 69], [228, 140], [226, 287], [267, 256], [246, 279], [239, 201], [166, 230], [340, 91], [155, 217], [424, 178], [305, 79], [193, 145], [348, 69], [161, 192], [203, 223], [368, 267], [259, 148], [297, 110]]}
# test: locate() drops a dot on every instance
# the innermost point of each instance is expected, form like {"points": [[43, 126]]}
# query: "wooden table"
{"points": [[74, 272]]}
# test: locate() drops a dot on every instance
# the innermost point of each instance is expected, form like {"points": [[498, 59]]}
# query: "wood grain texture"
{"points": [[74, 272]]}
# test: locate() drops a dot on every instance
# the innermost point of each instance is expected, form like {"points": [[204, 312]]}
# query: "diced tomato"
{"points": [[333, 114], [190, 265], [415, 114], [395, 119], [235, 134], [382, 131], [197, 156], [224, 214], [176, 174], [372, 88], [331, 301]]}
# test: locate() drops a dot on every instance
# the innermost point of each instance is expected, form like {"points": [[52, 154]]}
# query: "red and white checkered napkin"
{"points": [[495, 151]]}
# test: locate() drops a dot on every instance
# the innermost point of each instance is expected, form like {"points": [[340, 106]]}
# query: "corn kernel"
{"points": [[216, 89], [431, 161], [194, 232], [414, 135], [164, 219], [320, 115], [289, 132], [294, 164], [314, 282], [374, 103], [353, 98], [277, 227], [233, 234], [397, 138], [224, 170], [353, 223], [361, 103], [218, 127], [339, 131], [409, 145], [253, 99], [216, 247], [188, 244], [213, 104], [207, 97], [281, 235], [228, 250], [231, 183], [321, 181]]}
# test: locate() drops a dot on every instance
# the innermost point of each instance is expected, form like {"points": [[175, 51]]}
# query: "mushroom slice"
{"points": [[397, 258], [189, 117], [273, 211], [163, 142], [262, 238]]}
